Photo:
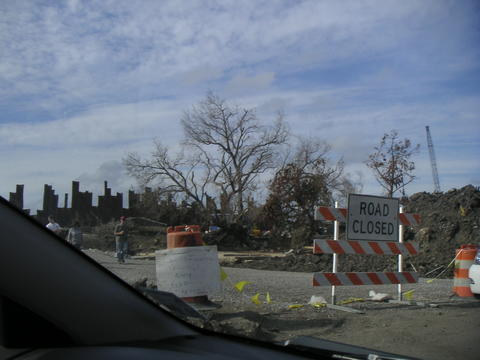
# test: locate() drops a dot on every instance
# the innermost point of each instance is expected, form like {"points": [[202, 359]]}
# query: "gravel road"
{"points": [[450, 330]]}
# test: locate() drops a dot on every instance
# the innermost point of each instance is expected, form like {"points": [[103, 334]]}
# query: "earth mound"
{"points": [[449, 220]]}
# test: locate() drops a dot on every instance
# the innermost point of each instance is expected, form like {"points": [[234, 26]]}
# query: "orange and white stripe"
{"points": [[364, 278], [326, 213], [465, 257], [321, 246], [409, 219]]}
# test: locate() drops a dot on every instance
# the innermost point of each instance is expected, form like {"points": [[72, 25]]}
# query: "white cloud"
{"points": [[82, 52], [201, 74], [242, 84], [103, 78], [112, 171], [98, 126]]}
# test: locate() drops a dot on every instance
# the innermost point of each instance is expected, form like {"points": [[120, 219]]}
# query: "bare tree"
{"points": [[235, 147], [225, 147], [391, 163], [348, 184], [177, 174]]}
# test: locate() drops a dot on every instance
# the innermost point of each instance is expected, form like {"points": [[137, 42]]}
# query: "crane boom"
{"points": [[433, 161]]}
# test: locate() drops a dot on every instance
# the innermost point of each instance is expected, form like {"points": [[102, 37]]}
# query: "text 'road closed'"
{"points": [[372, 218], [373, 227]]}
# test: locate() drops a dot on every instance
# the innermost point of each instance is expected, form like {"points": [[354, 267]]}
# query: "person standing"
{"points": [[75, 235], [53, 226], [121, 239]]}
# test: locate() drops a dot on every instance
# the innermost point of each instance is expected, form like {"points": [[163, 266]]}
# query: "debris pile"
{"points": [[232, 237], [449, 220]]}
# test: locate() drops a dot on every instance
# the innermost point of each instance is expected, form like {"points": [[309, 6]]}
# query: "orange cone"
{"points": [[186, 236], [465, 257]]}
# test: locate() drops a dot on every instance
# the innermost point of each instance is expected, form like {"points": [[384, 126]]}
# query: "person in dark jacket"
{"points": [[121, 239], [75, 235]]}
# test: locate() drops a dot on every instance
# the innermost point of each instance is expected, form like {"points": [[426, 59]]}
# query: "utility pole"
{"points": [[433, 161]]}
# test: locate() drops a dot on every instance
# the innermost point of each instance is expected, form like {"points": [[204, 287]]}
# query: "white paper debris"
{"points": [[378, 296], [317, 300]]}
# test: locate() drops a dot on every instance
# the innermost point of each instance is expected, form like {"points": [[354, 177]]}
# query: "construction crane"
{"points": [[433, 162]]}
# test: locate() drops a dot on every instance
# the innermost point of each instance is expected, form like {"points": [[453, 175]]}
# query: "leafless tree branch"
{"points": [[390, 162]]}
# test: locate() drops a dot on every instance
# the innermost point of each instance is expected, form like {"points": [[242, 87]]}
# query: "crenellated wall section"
{"points": [[110, 207]]}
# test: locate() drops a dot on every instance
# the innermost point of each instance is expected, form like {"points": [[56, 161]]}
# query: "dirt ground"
{"points": [[448, 332]]}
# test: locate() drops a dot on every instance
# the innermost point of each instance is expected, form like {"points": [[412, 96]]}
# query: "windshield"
{"points": [[213, 149]]}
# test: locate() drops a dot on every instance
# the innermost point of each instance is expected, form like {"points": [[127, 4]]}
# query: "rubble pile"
{"points": [[235, 237], [449, 220], [303, 260]]}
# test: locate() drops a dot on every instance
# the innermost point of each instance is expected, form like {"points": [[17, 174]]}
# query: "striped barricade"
{"points": [[321, 246], [364, 278], [326, 213], [409, 219]]}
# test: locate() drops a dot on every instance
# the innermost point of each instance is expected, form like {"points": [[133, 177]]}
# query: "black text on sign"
{"points": [[372, 218]]}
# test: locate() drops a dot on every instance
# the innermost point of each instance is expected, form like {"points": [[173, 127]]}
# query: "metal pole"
{"points": [[336, 230], [400, 257]]}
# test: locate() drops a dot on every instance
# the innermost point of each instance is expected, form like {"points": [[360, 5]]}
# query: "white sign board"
{"points": [[372, 218], [188, 271]]}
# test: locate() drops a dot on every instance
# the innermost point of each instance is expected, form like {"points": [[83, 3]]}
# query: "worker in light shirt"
{"points": [[53, 226]]}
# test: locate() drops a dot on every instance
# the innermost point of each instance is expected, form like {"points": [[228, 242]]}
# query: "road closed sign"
{"points": [[372, 218]]}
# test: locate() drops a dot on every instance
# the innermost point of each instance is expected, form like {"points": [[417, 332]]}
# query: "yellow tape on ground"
{"points": [[295, 306], [409, 294], [319, 305], [350, 300], [223, 274], [255, 299], [241, 284]]}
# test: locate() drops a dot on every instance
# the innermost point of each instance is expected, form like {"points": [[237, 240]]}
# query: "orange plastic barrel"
{"points": [[464, 258], [187, 236], [184, 236]]}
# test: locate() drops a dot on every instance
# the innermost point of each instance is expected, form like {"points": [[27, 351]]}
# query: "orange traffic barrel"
{"points": [[187, 236], [464, 258], [184, 236]]}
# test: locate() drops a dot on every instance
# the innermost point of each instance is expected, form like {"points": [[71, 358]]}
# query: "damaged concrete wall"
{"points": [[110, 207]]}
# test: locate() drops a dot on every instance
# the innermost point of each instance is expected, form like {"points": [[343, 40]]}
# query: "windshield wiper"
{"points": [[172, 303]]}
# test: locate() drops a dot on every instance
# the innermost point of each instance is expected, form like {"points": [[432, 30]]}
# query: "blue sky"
{"points": [[82, 83]]}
